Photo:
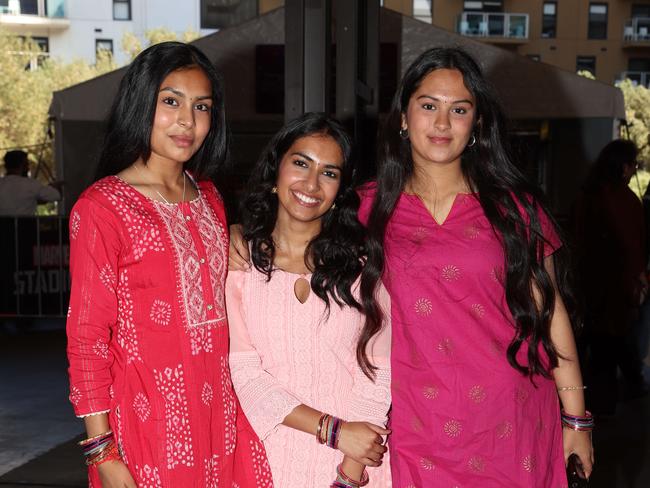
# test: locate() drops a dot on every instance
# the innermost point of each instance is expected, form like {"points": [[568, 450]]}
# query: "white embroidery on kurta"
{"points": [[69, 310], [75, 395], [178, 437], [149, 477], [101, 349], [200, 339], [140, 225], [261, 466], [229, 408], [120, 432], [212, 471], [206, 393], [142, 407], [126, 333], [75, 222], [196, 301], [160, 313], [107, 276]]}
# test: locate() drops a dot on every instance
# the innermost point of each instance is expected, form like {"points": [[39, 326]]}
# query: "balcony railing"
{"points": [[637, 77], [54, 9], [637, 29], [493, 25]]}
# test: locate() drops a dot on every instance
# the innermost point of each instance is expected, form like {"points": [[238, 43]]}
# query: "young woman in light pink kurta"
{"points": [[295, 319], [482, 342]]}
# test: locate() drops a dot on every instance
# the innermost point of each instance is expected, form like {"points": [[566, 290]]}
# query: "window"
{"points": [[549, 19], [105, 45], [121, 9], [534, 57], [43, 43], [28, 7], [597, 21], [216, 14], [586, 63], [483, 6], [638, 64], [641, 11]]}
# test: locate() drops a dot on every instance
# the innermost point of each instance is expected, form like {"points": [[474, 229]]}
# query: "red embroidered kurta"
{"points": [[148, 337]]}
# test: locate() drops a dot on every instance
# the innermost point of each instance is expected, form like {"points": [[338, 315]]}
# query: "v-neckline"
{"points": [[454, 204]]}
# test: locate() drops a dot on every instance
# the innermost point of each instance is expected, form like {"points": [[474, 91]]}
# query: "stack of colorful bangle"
{"points": [[99, 449], [344, 481], [580, 423], [328, 431]]}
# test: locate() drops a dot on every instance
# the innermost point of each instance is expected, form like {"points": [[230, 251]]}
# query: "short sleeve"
{"points": [[366, 195], [94, 249]]}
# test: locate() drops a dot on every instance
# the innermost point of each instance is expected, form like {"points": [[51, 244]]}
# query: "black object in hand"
{"points": [[575, 474]]}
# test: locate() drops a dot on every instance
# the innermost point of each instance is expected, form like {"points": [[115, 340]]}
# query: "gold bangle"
{"points": [[571, 388]]}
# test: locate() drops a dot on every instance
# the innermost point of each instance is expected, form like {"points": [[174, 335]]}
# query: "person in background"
{"points": [[20, 194], [610, 237]]}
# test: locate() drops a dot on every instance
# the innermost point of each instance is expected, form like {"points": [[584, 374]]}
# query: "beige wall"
{"points": [[571, 41]]}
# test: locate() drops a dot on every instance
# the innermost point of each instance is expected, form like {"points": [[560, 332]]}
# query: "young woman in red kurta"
{"points": [[147, 327]]}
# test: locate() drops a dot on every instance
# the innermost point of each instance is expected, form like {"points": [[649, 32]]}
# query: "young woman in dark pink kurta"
{"points": [[483, 350], [461, 415]]}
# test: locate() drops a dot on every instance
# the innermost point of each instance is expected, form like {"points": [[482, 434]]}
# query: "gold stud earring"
{"points": [[274, 189]]}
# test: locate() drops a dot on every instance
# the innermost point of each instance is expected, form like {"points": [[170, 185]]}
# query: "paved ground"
{"points": [[38, 430]]}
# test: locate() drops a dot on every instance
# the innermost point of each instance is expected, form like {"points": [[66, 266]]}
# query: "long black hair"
{"points": [[510, 203], [128, 132], [337, 253]]}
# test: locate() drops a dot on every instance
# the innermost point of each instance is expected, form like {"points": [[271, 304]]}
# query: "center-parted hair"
{"points": [[130, 121], [338, 251], [511, 204]]}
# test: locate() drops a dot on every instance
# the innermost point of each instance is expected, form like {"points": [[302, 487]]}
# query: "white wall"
{"points": [[88, 16]]}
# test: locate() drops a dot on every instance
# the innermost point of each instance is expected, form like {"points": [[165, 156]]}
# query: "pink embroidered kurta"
{"points": [[148, 337], [285, 353], [462, 416]]}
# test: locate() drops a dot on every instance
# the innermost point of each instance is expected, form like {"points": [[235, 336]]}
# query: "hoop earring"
{"points": [[404, 133], [472, 141], [274, 189]]}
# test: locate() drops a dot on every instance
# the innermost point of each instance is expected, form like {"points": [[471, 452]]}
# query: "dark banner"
{"points": [[34, 269]]}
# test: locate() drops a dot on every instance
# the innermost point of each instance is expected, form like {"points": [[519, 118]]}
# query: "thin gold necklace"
{"points": [[160, 194]]}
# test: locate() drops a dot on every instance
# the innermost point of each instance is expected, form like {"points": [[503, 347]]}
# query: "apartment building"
{"points": [[73, 29], [609, 38]]}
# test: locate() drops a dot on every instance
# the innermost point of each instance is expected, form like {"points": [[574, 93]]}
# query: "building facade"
{"points": [[77, 29], [609, 38]]}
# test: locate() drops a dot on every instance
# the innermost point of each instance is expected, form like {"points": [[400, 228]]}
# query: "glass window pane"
{"points": [[121, 10], [29, 7], [549, 9]]}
